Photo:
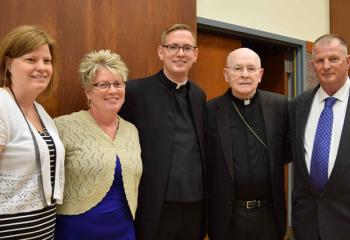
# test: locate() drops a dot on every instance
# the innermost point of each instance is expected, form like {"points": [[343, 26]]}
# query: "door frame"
{"points": [[232, 30]]}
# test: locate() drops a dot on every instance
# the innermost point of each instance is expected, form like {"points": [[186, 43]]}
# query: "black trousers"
{"points": [[253, 224], [180, 221]]}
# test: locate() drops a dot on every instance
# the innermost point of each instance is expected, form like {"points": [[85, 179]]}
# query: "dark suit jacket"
{"points": [[149, 105], [220, 160], [326, 214]]}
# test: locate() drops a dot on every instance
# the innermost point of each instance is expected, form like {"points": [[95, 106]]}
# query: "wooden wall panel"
{"points": [[213, 51], [130, 28], [339, 18], [37, 12]]}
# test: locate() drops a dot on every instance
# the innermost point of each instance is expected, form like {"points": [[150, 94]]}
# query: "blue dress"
{"points": [[110, 219]]}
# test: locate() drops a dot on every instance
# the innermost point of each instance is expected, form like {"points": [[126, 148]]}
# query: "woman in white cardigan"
{"points": [[103, 157], [31, 153]]}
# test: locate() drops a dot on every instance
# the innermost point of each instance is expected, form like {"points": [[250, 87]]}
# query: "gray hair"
{"points": [[328, 38]]}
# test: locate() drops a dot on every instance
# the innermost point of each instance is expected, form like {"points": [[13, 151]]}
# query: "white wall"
{"points": [[300, 19]]}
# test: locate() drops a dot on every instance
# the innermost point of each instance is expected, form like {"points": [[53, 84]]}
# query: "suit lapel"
{"points": [[302, 115], [342, 159], [222, 121], [268, 115], [197, 110]]}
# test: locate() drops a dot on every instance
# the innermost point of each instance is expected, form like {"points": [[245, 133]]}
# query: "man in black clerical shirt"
{"points": [[169, 112], [248, 145]]}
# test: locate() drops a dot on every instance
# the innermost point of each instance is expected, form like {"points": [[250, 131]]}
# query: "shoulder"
{"points": [[278, 101], [136, 87], [45, 117], [4, 99], [196, 88], [217, 101], [126, 125], [303, 96], [138, 82], [71, 120], [273, 96]]}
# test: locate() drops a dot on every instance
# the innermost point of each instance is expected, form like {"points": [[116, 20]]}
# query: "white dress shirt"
{"points": [[339, 110]]}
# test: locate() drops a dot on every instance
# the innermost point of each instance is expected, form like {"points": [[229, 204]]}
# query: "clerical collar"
{"points": [[244, 102], [171, 83]]}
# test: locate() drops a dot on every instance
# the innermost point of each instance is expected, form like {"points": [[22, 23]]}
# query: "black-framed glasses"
{"points": [[107, 85], [175, 48]]}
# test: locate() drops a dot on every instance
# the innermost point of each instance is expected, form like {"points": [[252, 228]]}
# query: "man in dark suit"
{"points": [[247, 148], [321, 191], [169, 112]]}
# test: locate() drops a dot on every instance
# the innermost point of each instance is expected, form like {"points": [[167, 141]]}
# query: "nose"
{"points": [[40, 65], [112, 88], [181, 51], [244, 72], [326, 64]]}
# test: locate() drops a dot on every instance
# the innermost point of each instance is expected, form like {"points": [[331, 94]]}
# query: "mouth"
{"points": [[112, 100], [244, 84], [39, 77], [327, 74], [180, 62]]}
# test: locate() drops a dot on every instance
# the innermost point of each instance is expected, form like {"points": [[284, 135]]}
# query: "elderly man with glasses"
{"points": [[247, 148]]}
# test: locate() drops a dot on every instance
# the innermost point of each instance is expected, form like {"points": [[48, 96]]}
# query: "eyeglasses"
{"points": [[106, 85], [175, 48], [240, 68]]}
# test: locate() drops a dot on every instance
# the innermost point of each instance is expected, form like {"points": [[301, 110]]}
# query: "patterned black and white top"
{"points": [[34, 225]]}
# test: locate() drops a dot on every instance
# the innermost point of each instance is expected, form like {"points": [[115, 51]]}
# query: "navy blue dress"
{"points": [[110, 219]]}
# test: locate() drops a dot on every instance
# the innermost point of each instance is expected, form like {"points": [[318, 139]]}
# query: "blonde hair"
{"points": [[175, 27], [90, 63], [22, 40]]}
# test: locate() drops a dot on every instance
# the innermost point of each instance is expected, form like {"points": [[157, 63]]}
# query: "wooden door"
{"points": [[130, 28], [213, 50]]}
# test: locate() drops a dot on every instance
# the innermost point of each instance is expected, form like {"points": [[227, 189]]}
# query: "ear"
{"points": [[160, 52], [261, 73], [195, 54], [348, 60], [88, 93], [226, 76]]}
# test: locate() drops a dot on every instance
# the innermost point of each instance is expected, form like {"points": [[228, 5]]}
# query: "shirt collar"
{"points": [[172, 83], [342, 94]]}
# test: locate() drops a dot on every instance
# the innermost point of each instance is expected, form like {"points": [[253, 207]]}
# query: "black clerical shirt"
{"points": [[185, 183], [250, 156]]}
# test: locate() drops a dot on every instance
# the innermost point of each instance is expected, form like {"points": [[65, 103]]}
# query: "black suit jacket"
{"points": [[326, 214], [150, 106], [220, 160]]}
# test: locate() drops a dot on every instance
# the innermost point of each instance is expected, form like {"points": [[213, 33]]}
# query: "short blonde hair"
{"points": [[22, 40], [175, 27], [90, 63]]}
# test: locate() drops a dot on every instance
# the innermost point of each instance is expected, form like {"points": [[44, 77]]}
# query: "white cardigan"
{"points": [[20, 177]]}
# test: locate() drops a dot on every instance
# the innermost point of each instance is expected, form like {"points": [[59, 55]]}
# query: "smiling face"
{"points": [[331, 64], [31, 72], [243, 72], [104, 101], [177, 65]]}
